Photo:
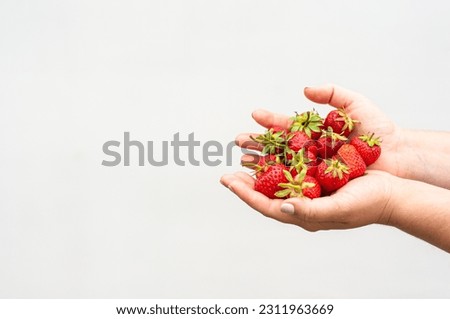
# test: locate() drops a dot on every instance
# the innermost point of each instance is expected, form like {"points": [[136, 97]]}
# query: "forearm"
{"points": [[430, 140], [425, 156], [423, 210]]}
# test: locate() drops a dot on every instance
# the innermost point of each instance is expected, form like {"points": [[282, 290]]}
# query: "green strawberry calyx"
{"points": [[262, 168], [333, 137], [336, 168], [271, 141], [295, 186], [349, 123], [370, 139], [299, 160], [307, 122]]}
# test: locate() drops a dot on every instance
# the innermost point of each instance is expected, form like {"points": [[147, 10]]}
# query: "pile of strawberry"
{"points": [[313, 157]]}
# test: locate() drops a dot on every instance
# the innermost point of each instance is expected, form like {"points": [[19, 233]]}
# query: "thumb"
{"points": [[319, 210], [332, 94]]}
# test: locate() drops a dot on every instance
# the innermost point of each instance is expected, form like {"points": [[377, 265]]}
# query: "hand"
{"points": [[359, 108], [362, 201], [377, 197], [365, 200]]}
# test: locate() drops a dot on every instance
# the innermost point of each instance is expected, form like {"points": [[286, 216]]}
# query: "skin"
{"points": [[401, 189]]}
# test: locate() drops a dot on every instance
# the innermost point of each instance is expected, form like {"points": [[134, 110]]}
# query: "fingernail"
{"points": [[287, 208], [230, 188], [255, 112]]}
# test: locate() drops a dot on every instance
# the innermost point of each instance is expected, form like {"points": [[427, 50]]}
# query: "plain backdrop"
{"points": [[75, 74]]}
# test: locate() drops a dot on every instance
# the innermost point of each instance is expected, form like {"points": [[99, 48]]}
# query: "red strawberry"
{"points": [[263, 163], [309, 122], [329, 143], [277, 129], [298, 140], [350, 157], [325, 149], [267, 182], [340, 122], [313, 161], [332, 174], [368, 147], [300, 186], [267, 160], [311, 187]]}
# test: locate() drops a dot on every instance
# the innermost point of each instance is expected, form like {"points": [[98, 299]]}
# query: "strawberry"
{"points": [[332, 174], [310, 122], [263, 163], [368, 147], [313, 160], [277, 129], [329, 143], [311, 187], [350, 157], [313, 157], [297, 140], [340, 122], [267, 160], [300, 186], [267, 182]]}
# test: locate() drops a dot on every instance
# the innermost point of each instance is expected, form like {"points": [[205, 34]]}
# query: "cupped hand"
{"points": [[365, 200], [358, 107]]}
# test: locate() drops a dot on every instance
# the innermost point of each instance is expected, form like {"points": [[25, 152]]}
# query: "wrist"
{"points": [[395, 202], [407, 156], [422, 210], [389, 201], [407, 197]]}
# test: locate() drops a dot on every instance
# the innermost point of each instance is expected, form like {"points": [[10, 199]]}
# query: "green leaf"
{"points": [[308, 185], [308, 132], [283, 193], [302, 174], [288, 176]]}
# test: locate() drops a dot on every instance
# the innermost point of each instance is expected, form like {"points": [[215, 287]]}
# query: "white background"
{"points": [[75, 74]]}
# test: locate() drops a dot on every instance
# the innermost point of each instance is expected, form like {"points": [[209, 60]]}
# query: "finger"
{"points": [[250, 181], [268, 207], [247, 159], [327, 209], [244, 140], [269, 119], [226, 179], [242, 185], [331, 94]]}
